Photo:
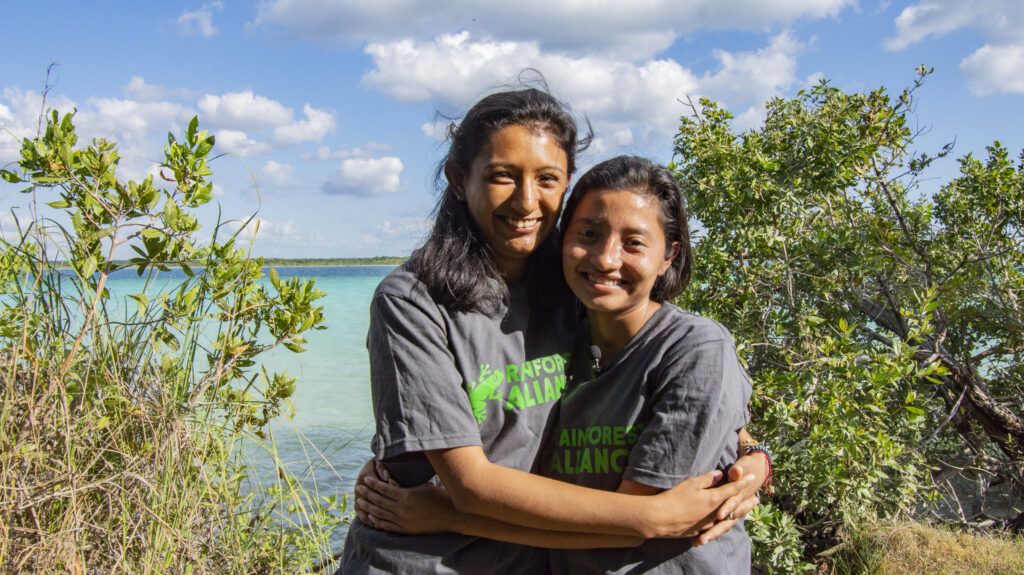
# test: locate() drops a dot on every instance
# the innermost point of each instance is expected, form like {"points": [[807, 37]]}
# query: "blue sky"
{"points": [[326, 108]]}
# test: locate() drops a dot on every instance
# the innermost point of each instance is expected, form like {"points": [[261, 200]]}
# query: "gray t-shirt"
{"points": [[443, 380], [666, 408]]}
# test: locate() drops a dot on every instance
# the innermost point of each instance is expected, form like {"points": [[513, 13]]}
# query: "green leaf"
{"points": [[171, 213], [141, 302], [190, 132], [89, 266]]}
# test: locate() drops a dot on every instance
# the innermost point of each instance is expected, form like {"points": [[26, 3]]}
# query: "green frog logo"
{"points": [[487, 386]]}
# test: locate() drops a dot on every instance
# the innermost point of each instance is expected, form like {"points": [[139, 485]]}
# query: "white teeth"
{"points": [[523, 224], [604, 281]]}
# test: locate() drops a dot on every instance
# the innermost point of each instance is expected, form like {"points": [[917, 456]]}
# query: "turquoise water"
{"points": [[327, 439]]}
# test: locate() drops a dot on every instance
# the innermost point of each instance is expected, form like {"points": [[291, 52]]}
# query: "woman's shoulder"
{"points": [[402, 297], [702, 345], [401, 282], [690, 330]]}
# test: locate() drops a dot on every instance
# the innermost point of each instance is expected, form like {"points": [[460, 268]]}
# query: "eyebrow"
{"points": [[604, 222], [494, 165]]}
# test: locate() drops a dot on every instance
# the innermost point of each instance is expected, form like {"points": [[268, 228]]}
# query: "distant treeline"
{"points": [[374, 261], [294, 262]]}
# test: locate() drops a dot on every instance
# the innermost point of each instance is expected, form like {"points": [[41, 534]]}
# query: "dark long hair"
{"points": [[642, 176], [454, 262]]}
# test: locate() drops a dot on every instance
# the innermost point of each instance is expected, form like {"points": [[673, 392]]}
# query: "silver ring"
{"points": [[732, 516]]}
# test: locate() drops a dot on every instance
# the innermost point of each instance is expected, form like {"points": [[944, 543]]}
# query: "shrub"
{"points": [[121, 432], [881, 326]]}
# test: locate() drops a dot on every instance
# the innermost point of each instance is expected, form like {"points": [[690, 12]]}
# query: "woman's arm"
{"points": [[428, 509], [408, 333], [479, 487]]}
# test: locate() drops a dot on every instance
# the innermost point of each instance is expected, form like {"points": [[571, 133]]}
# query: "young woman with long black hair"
{"points": [[469, 348]]}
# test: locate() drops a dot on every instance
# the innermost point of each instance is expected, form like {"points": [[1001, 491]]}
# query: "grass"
{"points": [[917, 548], [122, 430], [104, 467]]}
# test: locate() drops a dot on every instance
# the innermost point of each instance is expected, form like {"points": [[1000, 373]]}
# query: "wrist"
{"points": [[464, 523], [650, 524], [765, 452]]}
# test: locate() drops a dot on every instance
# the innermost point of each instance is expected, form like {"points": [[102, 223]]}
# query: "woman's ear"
{"points": [[670, 255], [454, 177]]}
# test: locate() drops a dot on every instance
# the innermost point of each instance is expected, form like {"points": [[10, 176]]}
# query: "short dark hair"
{"points": [[454, 262], [644, 177]]}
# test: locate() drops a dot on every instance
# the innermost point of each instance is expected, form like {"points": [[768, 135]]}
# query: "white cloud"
{"points": [[136, 126], [399, 235], [199, 21], [277, 174], [244, 111], [450, 68], [133, 122], [1001, 20], [140, 90], [411, 230], [636, 29], [367, 150], [750, 119], [19, 118], [365, 177], [754, 76], [251, 112], [239, 143], [14, 125], [244, 123], [275, 237], [436, 130], [9, 226], [607, 143], [993, 69], [455, 69], [602, 56], [318, 123], [632, 103]]}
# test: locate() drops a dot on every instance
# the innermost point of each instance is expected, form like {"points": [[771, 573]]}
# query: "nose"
{"points": [[526, 196], [606, 255]]}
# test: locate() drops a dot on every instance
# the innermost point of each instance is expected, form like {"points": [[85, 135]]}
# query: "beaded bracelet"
{"points": [[747, 449]]}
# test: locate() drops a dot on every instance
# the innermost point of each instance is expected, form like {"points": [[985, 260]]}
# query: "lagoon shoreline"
{"points": [[377, 261], [334, 262]]}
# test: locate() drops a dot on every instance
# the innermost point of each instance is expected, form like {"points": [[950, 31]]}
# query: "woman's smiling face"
{"points": [[514, 193], [614, 250]]}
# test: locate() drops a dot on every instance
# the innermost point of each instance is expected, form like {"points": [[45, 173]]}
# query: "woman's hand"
{"points": [[412, 511], [690, 508], [737, 507], [372, 468], [734, 509]]}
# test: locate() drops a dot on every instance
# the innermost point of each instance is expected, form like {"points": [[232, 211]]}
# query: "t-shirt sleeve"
{"points": [[698, 405], [418, 399]]}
